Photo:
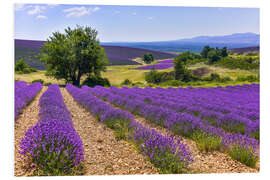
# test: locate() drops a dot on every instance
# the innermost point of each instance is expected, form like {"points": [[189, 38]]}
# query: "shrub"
{"points": [[153, 77], [250, 78], [243, 155], [20, 65], [206, 142], [126, 82], [172, 83], [93, 81], [22, 68], [38, 80]]}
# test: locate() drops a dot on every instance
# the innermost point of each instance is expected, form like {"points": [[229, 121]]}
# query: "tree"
{"points": [[205, 51], [213, 56], [224, 52], [181, 72], [148, 58], [72, 54], [20, 65]]}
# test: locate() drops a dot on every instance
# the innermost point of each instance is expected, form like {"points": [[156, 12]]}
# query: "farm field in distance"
{"points": [[117, 74], [123, 95]]}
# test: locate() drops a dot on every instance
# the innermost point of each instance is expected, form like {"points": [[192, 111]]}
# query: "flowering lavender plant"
{"points": [[52, 144], [24, 94], [177, 117], [162, 151]]}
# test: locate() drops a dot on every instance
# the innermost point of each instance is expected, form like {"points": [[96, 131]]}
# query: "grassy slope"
{"points": [[117, 74]]}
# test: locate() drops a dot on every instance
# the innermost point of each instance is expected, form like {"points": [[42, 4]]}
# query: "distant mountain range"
{"points": [[237, 40], [242, 38]]}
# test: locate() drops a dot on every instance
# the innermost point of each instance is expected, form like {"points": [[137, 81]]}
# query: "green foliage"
{"points": [[148, 58], [126, 82], [153, 76], [244, 155], [121, 127], [93, 81], [206, 142], [240, 63], [38, 80], [181, 72], [172, 83], [250, 78], [73, 54], [224, 52], [156, 77], [205, 51], [21, 67], [213, 56], [216, 78]]}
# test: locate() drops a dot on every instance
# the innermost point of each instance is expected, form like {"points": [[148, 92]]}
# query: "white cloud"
{"points": [[80, 11], [19, 7], [52, 5], [36, 10], [41, 17], [150, 18], [134, 13]]}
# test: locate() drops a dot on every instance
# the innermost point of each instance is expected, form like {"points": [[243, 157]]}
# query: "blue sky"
{"points": [[133, 23]]}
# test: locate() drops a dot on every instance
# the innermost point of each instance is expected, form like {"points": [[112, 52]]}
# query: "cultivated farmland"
{"points": [[136, 131]]}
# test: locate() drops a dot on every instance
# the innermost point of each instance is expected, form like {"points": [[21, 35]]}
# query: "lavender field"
{"points": [[164, 64], [160, 123]]}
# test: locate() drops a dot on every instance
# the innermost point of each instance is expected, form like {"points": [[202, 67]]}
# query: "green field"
{"points": [[117, 74]]}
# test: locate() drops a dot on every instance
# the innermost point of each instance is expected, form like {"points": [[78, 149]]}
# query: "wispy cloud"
{"points": [[19, 7], [150, 18], [134, 13], [79, 11], [41, 17], [36, 10]]}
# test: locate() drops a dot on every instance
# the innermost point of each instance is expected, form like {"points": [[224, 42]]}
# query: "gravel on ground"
{"points": [[28, 118], [104, 155], [204, 162]]}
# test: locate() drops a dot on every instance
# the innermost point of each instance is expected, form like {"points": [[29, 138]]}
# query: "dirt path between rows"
{"points": [[103, 153], [211, 162], [28, 118]]}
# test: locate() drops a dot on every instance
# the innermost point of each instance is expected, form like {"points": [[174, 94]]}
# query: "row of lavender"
{"points": [[240, 147], [234, 112], [166, 153], [52, 144], [161, 65], [24, 94]]}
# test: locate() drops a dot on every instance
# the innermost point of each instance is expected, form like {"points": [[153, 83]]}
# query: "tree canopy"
{"points": [[72, 54], [148, 58]]}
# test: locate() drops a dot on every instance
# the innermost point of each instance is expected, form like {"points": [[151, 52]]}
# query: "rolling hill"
{"points": [[117, 55], [237, 40], [253, 49]]}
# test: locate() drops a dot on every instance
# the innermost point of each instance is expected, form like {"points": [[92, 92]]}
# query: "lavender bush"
{"points": [[52, 144], [24, 94], [163, 152], [179, 117]]}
